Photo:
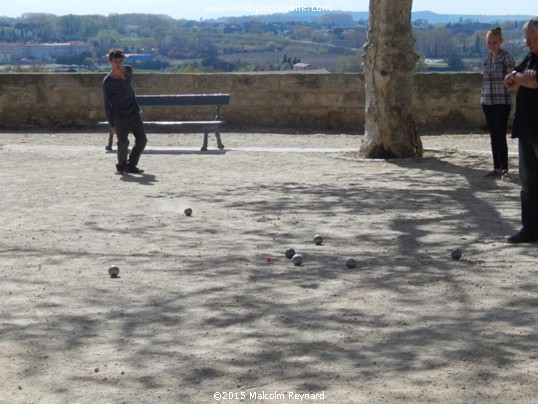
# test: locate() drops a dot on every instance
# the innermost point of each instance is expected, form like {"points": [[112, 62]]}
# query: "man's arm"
{"points": [[108, 108], [513, 81], [532, 75]]}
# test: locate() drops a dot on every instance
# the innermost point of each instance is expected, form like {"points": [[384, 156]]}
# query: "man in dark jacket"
{"points": [[523, 81], [123, 113]]}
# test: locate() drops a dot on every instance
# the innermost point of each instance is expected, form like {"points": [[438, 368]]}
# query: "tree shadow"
{"points": [[225, 319]]}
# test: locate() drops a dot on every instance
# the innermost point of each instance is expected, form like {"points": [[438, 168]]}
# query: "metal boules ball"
{"points": [[318, 239], [456, 253], [290, 252], [188, 212], [297, 260], [113, 271], [351, 263]]}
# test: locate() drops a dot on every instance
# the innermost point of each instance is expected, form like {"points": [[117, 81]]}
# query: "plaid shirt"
{"points": [[493, 90]]}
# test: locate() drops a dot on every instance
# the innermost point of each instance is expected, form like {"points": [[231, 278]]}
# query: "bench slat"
{"points": [[179, 123], [183, 99], [185, 123]]}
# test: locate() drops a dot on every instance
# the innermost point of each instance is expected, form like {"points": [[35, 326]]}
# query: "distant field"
{"points": [[267, 59]]}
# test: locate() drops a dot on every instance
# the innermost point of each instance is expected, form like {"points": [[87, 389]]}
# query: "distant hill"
{"points": [[362, 16], [434, 18]]}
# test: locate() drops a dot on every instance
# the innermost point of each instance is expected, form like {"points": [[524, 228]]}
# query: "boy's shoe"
{"points": [[505, 175], [108, 148], [134, 170]]}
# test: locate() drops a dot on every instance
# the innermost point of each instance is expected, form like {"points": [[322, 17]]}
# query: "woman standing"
{"points": [[496, 100]]}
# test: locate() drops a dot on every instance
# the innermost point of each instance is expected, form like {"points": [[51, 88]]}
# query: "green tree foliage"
{"points": [[349, 64], [105, 40], [152, 65], [455, 62], [216, 64], [80, 59]]}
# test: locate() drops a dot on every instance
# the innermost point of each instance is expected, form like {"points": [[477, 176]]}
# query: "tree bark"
{"points": [[389, 67]]}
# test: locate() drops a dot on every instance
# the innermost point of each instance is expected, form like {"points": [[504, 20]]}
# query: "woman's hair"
{"points": [[496, 31]]}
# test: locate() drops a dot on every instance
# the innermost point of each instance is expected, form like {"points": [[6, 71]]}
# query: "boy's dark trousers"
{"points": [[124, 125]]}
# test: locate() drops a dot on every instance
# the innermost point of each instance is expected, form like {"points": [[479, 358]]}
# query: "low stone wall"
{"points": [[316, 102]]}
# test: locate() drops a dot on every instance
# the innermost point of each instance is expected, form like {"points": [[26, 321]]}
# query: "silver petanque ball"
{"points": [[188, 211], [318, 239], [290, 252], [113, 271], [297, 260]]}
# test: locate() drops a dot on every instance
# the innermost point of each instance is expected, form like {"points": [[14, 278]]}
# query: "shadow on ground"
{"points": [[198, 308]]}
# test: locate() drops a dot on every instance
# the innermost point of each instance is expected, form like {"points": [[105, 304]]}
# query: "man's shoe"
{"points": [[108, 148], [134, 170], [521, 237], [120, 169]]}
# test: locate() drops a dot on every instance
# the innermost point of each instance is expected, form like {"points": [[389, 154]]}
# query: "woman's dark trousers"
{"points": [[497, 120]]}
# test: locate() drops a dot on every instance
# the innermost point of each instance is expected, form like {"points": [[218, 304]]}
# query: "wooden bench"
{"points": [[215, 100]]}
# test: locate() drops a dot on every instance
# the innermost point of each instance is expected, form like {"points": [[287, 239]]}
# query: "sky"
{"points": [[207, 9]]}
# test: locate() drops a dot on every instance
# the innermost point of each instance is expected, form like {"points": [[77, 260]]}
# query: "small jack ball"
{"points": [[297, 260], [188, 211], [290, 252], [351, 263], [318, 240], [456, 254], [113, 271]]}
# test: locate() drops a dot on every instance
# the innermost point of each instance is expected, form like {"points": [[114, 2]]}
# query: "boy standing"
{"points": [[123, 113]]}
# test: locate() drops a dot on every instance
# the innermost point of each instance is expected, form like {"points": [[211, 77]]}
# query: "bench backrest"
{"points": [[183, 99]]}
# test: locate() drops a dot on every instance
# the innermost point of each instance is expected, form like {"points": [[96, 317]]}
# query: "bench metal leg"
{"points": [[206, 137], [204, 146], [219, 142]]}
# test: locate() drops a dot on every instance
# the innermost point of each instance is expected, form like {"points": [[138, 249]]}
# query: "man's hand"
{"points": [[510, 82], [531, 74]]}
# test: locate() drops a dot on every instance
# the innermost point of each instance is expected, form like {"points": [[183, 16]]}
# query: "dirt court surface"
{"points": [[198, 310]]}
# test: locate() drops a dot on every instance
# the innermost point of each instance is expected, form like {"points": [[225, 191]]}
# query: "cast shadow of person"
{"points": [[143, 179]]}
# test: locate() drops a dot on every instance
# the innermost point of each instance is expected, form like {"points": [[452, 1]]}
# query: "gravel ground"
{"points": [[208, 304]]}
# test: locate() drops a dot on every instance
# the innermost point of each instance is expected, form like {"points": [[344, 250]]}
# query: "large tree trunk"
{"points": [[389, 65]]}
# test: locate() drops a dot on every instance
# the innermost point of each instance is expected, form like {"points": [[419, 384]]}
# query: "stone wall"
{"points": [[310, 102]]}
